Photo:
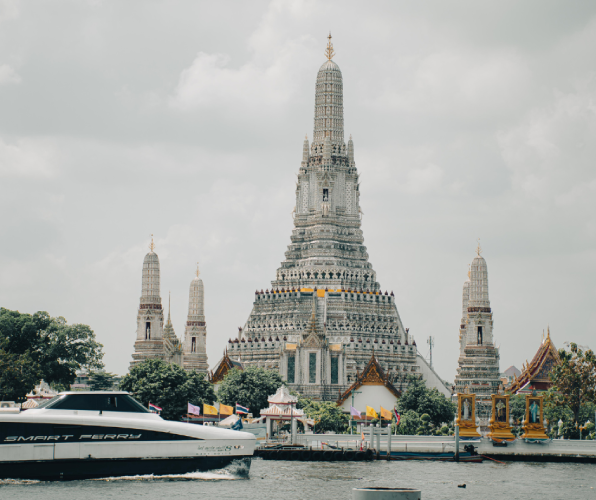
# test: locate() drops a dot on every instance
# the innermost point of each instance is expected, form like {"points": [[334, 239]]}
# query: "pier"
{"points": [[344, 447]]}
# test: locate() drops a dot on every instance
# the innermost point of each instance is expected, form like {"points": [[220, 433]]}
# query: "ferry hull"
{"points": [[66, 470]]}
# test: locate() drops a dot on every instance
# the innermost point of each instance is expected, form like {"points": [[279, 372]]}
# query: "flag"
{"points": [[242, 409], [397, 416], [237, 426], [194, 410], [155, 408], [355, 412], [386, 414], [209, 410], [362, 436], [225, 410], [370, 412]]}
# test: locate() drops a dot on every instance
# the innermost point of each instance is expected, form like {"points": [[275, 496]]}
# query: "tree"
{"points": [[574, 379], [101, 380], [421, 400], [18, 374], [328, 416], [408, 424], [424, 429], [250, 387], [48, 347], [168, 386]]}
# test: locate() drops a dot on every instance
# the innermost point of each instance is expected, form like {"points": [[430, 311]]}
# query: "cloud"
{"points": [[9, 9], [8, 75], [25, 158]]}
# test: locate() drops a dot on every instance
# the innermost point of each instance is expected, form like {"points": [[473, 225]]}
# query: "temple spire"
{"points": [[329, 52], [152, 245]]}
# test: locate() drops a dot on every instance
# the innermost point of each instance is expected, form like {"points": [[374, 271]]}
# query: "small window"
{"points": [[325, 194], [291, 369], [193, 345], [312, 368], [479, 335], [148, 330], [335, 370]]}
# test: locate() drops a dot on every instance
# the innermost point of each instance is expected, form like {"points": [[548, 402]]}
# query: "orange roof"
{"points": [[539, 368], [372, 374]]}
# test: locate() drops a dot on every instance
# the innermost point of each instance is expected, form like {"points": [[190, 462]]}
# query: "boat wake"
{"points": [[238, 469]]}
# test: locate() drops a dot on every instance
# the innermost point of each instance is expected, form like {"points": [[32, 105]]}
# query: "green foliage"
{"points": [[425, 427], [48, 348], [409, 424], [574, 380], [101, 380], [168, 386], [517, 409], [250, 387], [328, 416], [18, 374], [423, 400]]}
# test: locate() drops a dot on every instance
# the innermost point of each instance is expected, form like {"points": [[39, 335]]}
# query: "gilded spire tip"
{"points": [[152, 245], [329, 52], [198, 270], [479, 248]]}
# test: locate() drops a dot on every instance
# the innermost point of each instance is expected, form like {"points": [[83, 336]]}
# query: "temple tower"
{"points": [[149, 342], [479, 357], [195, 334], [325, 311]]}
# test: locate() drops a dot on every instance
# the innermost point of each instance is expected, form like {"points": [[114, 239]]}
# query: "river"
{"points": [[271, 480]]}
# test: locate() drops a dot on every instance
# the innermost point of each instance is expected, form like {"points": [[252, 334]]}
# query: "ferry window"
{"points": [[98, 402], [291, 369]]}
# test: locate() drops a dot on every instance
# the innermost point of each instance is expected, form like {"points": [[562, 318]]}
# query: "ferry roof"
{"points": [[92, 392]]}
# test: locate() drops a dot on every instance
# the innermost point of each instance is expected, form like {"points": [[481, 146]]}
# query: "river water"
{"points": [[330, 481]]}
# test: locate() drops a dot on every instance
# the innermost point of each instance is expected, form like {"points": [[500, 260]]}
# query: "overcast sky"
{"points": [[185, 119]]}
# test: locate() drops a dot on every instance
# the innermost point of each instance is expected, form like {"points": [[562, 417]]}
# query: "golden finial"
{"points": [[548, 332], [329, 52], [479, 248], [152, 246], [198, 270], [469, 271]]}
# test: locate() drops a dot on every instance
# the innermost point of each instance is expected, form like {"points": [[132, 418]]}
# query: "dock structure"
{"points": [[342, 447]]}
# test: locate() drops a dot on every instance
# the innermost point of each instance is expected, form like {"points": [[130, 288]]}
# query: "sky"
{"points": [[185, 120]]}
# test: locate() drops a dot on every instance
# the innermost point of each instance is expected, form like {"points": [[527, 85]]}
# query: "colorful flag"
{"points": [[242, 409], [194, 410], [154, 408], [386, 414], [225, 410], [397, 416], [370, 412], [355, 412], [209, 410]]}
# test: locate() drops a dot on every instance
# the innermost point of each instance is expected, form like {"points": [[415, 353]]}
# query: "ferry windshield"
{"points": [[96, 402]]}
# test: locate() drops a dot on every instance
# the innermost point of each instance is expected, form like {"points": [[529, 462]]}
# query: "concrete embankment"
{"points": [[557, 450]]}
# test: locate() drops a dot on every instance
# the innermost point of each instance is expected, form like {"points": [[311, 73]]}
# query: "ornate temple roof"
{"points": [[282, 397], [223, 367], [536, 373], [373, 374]]}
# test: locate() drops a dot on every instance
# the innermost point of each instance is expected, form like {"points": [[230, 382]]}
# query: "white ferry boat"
{"points": [[79, 435]]}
